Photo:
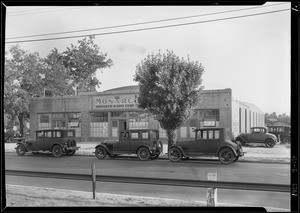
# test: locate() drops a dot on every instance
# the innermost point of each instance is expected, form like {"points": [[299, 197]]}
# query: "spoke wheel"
{"points": [[270, 143], [286, 140], [226, 156], [175, 154], [100, 153], [20, 150], [57, 151], [143, 153]]}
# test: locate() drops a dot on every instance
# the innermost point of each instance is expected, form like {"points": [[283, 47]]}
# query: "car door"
{"points": [[200, 143], [257, 136], [209, 142], [123, 145]]}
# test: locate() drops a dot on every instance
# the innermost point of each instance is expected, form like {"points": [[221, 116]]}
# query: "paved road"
{"points": [[239, 172]]}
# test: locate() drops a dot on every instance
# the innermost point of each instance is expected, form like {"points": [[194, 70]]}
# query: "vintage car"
{"points": [[208, 142], [258, 135], [143, 142], [57, 141], [283, 132]]}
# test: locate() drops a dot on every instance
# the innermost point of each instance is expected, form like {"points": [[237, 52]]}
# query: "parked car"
{"points": [[258, 135], [145, 143], [208, 142], [11, 136], [284, 132], [57, 141]]}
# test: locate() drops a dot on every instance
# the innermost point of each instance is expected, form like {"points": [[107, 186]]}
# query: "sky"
{"points": [[245, 48]]}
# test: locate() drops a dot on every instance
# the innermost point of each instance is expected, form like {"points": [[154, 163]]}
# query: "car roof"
{"points": [[209, 128], [262, 127], [134, 130]]}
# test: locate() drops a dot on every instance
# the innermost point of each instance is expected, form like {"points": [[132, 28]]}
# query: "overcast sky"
{"points": [[245, 48]]}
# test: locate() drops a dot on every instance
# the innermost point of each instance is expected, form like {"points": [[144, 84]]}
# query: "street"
{"points": [[191, 169]]}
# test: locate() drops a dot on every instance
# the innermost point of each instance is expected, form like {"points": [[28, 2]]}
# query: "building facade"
{"points": [[99, 116]]}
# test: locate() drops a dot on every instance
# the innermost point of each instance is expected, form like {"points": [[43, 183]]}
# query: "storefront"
{"points": [[99, 116]]}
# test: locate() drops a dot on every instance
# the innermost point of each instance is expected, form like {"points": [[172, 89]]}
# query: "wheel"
{"points": [[70, 152], [10, 139], [286, 140], [175, 154], [100, 152], [57, 151], [270, 143], [21, 150], [143, 153], [226, 156]]}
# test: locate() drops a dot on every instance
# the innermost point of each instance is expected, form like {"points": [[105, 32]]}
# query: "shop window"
{"points": [[99, 125], [44, 121], [74, 122], [118, 114], [58, 116], [138, 120], [209, 118]]}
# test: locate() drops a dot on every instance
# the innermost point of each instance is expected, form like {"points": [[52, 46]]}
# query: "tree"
{"points": [[169, 87], [82, 62]]}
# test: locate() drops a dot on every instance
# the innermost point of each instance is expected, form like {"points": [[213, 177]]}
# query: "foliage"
{"points": [[169, 87], [82, 62], [27, 75], [273, 119]]}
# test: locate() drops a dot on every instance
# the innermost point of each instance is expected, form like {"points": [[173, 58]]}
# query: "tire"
{"points": [[10, 139], [21, 150], [100, 153], [174, 154], [57, 151], [270, 143], [226, 156], [286, 140], [70, 152], [143, 153]]}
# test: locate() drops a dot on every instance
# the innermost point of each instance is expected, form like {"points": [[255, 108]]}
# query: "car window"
{"points": [[210, 134], [204, 135], [48, 134], [134, 135], [145, 135], [217, 134], [57, 134], [124, 135], [40, 134], [70, 134]]}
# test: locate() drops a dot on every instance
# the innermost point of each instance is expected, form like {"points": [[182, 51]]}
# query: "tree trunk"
{"points": [[171, 134], [21, 123]]}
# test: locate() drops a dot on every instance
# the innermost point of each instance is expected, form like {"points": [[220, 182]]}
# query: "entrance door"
{"points": [[59, 124], [117, 126]]}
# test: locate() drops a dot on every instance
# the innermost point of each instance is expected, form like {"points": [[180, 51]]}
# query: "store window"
{"points": [[74, 122], [209, 118], [118, 114], [44, 121], [138, 120], [99, 124]]}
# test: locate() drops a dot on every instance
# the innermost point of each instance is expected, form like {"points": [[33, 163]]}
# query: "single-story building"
{"points": [[98, 116]]}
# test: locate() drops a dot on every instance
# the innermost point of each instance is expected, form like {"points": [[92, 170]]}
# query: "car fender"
{"points": [[22, 143], [232, 149], [103, 146], [241, 139], [183, 153], [56, 144], [148, 147]]}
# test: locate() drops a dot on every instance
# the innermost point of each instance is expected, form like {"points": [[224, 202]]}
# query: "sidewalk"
{"points": [[278, 154]]}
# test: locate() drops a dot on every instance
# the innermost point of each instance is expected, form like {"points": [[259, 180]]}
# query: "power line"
{"points": [[140, 23], [150, 28], [45, 10]]}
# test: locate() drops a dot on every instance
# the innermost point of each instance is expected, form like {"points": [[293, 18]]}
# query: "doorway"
{"points": [[117, 126]]}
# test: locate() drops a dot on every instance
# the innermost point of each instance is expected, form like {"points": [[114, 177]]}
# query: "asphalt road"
{"points": [[190, 169]]}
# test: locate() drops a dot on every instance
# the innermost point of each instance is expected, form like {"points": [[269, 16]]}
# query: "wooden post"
{"points": [[211, 193], [94, 180]]}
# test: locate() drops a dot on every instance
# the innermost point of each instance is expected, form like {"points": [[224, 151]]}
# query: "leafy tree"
{"points": [[169, 87], [82, 62]]}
